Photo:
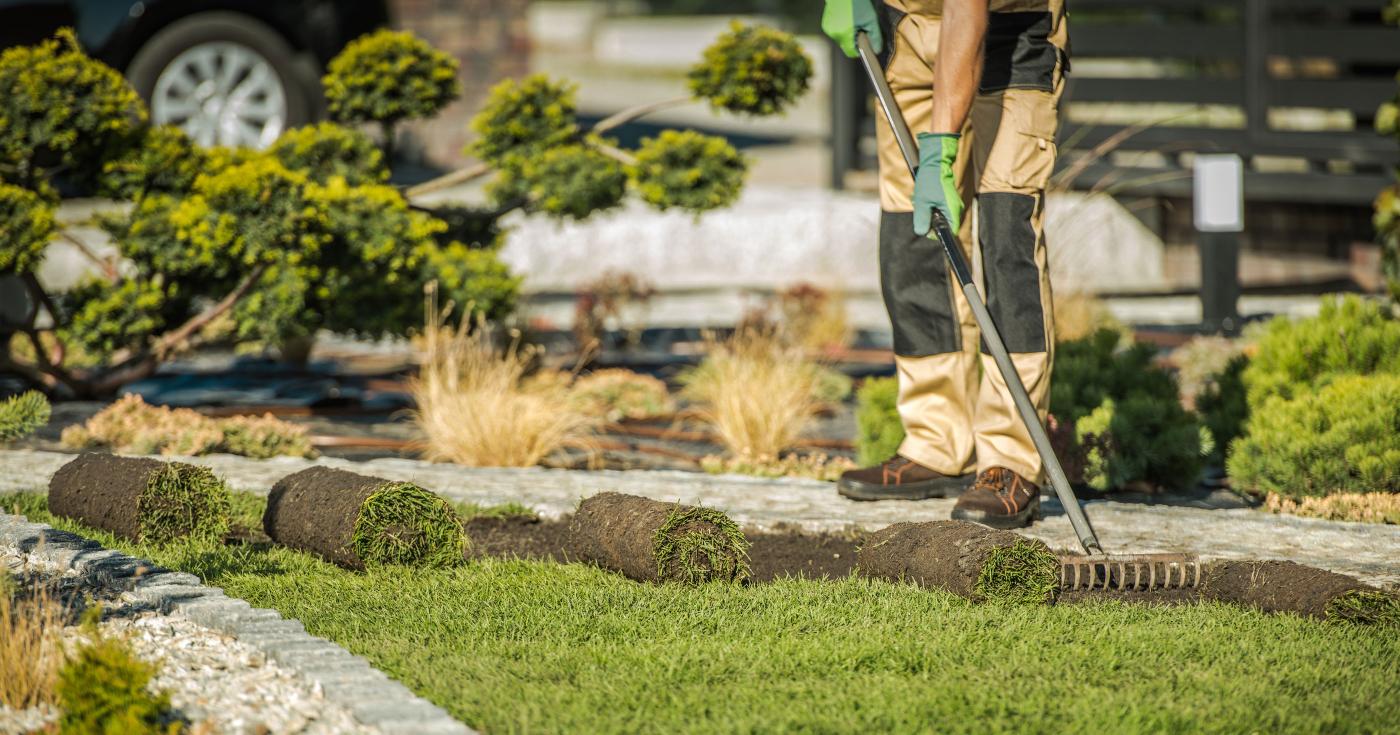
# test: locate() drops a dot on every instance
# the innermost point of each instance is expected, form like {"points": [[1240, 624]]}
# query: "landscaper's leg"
{"points": [[1014, 152], [934, 341]]}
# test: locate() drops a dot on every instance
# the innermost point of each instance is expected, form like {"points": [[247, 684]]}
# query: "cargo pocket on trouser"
{"points": [[914, 280]]}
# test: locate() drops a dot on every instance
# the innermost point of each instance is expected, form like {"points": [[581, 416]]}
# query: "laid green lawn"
{"points": [[511, 646]]}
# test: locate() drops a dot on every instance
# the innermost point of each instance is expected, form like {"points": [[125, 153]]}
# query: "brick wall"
{"points": [[491, 41]]}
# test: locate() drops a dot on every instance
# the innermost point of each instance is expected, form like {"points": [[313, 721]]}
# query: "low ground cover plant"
{"points": [[796, 655], [133, 426], [616, 394]]}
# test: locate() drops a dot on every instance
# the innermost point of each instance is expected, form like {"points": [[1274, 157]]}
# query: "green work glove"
{"points": [[843, 18], [934, 185]]}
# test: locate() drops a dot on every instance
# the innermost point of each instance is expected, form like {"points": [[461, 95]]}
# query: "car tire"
{"points": [[220, 30]]}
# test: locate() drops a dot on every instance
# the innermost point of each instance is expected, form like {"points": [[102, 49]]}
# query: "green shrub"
{"points": [[617, 394], [132, 426], [833, 386], [23, 414], [879, 431], [524, 118], [752, 70], [1223, 407], [1142, 438], [388, 76], [154, 160], [1129, 425], [324, 150], [104, 689], [688, 170], [568, 181], [1343, 437], [26, 226], [105, 317], [1349, 335], [60, 109]]}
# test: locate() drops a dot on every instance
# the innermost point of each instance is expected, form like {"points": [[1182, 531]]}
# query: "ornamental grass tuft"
{"points": [[1024, 572], [401, 523], [696, 545]]}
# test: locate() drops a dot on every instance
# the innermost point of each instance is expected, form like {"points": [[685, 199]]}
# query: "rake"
{"points": [[1095, 570]]}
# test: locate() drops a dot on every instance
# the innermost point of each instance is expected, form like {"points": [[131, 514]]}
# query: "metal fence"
{"points": [[1290, 85]]}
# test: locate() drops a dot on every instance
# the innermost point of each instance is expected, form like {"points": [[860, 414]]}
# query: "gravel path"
{"points": [[1370, 552], [214, 680]]}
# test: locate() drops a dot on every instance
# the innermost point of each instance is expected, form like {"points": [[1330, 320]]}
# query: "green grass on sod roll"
{"points": [[1368, 607], [721, 554], [401, 523], [183, 500], [1024, 572], [516, 646]]}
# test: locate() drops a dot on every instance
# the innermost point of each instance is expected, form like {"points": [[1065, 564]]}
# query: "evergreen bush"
{"points": [[879, 431], [326, 150], [752, 70], [1343, 437], [104, 689], [26, 226], [386, 77], [1129, 425], [23, 414], [1350, 335], [1223, 407], [688, 170]]}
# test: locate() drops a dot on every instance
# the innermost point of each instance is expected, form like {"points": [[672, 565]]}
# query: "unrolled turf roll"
{"points": [[139, 498], [354, 520], [1283, 586], [967, 559], [651, 541]]}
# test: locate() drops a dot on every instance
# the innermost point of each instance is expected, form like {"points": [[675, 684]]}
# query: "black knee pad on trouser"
{"points": [[1008, 241], [918, 292]]}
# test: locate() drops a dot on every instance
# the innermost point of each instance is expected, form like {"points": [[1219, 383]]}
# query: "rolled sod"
{"points": [[141, 499], [967, 559], [1283, 586], [354, 520], [651, 541]]}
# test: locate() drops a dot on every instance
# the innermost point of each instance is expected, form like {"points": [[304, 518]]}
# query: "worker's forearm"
{"points": [[958, 70]]}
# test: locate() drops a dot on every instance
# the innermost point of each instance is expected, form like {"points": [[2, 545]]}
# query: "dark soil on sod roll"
{"points": [[1283, 586], [139, 498], [351, 520], [651, 541], [964, 558]]}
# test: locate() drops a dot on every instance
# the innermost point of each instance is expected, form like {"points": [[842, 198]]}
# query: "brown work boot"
{"points": [[1001, 499], [899, 479]]}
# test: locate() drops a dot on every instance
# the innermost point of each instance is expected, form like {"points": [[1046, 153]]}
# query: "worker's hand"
{"points": [[934, 184], [843, 18]]}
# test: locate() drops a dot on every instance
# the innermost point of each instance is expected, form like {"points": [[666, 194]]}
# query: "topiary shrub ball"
{"points": [[388, 76], [752, 70], [688, 170], [524, 118], [326, 149], [571, 181], [58, 104], [26, 226]]}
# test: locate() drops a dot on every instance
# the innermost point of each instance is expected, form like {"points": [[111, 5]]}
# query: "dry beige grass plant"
{"points": [[30, 650], [476, 408], [131, 425], [755, 392]]}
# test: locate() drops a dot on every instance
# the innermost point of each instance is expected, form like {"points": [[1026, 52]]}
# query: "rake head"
{"points": [[1139, 573]]}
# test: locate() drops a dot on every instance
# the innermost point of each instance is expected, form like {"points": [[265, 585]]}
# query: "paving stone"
{"points": [[166, 577], [271, 626], [439, 727], [374, 712]]}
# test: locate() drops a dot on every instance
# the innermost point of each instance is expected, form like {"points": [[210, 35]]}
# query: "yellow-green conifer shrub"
{"points": [[688, 170], [26, 226], [1349, 335], [22, 415], [522, 118], [389, 76], [104, 690], [327, 150], [60, 108], [157, 159], [752, 70]]}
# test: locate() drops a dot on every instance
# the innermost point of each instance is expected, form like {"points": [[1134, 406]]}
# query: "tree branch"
{"points": [[460, 176], [623, 117], [109, 271], [172, 339]]}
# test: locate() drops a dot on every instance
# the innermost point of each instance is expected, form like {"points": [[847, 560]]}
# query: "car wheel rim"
{"points": [[221, 93]]}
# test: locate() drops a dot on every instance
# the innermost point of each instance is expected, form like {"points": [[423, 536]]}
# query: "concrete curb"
{"points": [[348, 680]]}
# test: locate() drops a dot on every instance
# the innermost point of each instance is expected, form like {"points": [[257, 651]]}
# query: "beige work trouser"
{"points": [[958, 415]]}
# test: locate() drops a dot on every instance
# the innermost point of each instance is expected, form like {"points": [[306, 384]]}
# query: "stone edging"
{"points": [[347, 680]]}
